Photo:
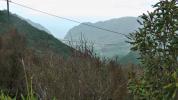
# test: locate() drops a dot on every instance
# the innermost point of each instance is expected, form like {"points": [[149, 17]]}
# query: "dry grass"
{"points": [[82, 76]]}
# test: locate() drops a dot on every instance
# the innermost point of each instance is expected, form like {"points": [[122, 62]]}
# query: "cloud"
{"points": [[90, 7]]}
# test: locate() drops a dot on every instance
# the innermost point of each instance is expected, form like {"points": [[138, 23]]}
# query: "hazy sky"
{"points": [[81, 10]]}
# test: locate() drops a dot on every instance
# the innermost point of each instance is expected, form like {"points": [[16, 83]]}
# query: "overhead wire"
{"points": [[68, 19], [64, 18], [71, 21]]}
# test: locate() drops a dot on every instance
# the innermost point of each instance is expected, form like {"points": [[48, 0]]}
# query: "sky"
{"points": [[80, 10]]}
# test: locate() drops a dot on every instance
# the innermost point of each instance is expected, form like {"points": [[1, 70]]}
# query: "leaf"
{"points": [[141, 23], [167, 86], [174, 94], [174, 75], [22, 97]]}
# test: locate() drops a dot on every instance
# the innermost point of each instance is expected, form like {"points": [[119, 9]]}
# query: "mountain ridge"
{"points": [[124, 25], [36, 39]]}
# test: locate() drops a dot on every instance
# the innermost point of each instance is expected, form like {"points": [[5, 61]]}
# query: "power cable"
{"points": [[100, 28], [71, 21]]}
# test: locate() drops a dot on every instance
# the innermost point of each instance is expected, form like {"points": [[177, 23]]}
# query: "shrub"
{"points": [[82, 76], [157, 44], [11, 74]]}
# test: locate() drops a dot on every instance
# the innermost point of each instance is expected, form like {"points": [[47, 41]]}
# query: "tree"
{"points": [[157, 44]]}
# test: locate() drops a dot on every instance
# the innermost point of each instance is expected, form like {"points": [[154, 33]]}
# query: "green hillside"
{"points": [[131, 57], [36, 39]]}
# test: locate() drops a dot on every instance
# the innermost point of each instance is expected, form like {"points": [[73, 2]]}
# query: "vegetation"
{"points": [[36, 39], [79, 76], [157, 44], [31, 70]]}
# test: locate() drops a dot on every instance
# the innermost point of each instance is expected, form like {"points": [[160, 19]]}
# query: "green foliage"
{"points": [[173, 86], [157, 44], [30, 95], [5, 97]]}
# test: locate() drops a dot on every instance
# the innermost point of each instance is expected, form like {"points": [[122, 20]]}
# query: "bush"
{"points": [[82, 76], [157, 44], [78, 77], [12, 48]]}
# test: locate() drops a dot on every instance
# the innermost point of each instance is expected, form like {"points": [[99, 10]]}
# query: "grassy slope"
{"points": [[36, 39]]}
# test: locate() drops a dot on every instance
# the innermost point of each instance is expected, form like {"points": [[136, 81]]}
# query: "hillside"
{"points": [[131, 57], [37, 39], [107, 43], [38, 26]]}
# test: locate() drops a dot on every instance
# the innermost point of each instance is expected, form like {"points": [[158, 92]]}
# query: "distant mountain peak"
{"points": [[119, 47]]}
